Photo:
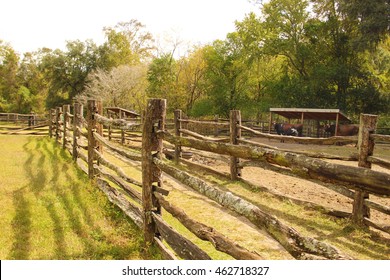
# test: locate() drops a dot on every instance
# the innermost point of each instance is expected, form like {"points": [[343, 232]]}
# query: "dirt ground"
{"points": [[293, 186]]}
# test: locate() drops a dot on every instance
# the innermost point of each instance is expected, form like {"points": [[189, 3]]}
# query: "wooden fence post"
{"points": [[31, 120], [152, 146], [177, 122], [235, 134], [77, 113], [51, 120], [99, 127], [123, 136], [366, 149], [58, 122], [109, 127], [91, 110], [216, 129], [66, 110]]}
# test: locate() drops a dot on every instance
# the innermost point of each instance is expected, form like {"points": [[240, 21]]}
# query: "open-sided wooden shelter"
{"points": [[303, 114]]}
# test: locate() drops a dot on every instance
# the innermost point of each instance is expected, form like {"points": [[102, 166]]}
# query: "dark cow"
{"points": [[288, 129], [343, 129]]}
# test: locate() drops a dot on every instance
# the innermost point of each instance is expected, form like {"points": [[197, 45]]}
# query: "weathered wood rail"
{"points": [[26, 124], [143, 201], [363, 179], [16, 118], [141, 204]]}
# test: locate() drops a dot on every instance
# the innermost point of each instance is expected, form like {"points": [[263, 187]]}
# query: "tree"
{"points": [[127, 43], [124, 86], [67, 70], [293, 39], [264, 68], [323, 66], [163, 81], [378, 63], [286, 20], [23, 101], [192, 77], [8, 75], [32, 77], [370, 17], [345, 57], [227, 75]]}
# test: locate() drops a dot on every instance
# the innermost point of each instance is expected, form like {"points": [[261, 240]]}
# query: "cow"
{"points": [[343, 129], [288, 129]]}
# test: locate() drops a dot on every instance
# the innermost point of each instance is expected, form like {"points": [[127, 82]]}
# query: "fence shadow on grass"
{"points": [[68, 208], [75, 211], [21, 225]]}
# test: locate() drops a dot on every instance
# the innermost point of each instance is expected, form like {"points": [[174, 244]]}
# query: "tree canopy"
{"points": [[291, 53]]}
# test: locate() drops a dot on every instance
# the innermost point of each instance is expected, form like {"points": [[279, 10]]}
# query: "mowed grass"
{"points": [[50, 210]]}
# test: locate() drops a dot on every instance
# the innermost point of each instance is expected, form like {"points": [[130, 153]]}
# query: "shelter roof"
{"points": [[127, 113], [311, 114]]}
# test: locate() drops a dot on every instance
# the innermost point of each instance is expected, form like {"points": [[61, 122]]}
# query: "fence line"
{"points": [[152, 199], [369, 181], [23, 124]]}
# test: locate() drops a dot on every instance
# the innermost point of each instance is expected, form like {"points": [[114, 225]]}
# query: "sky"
{"points": [[32, 24]]}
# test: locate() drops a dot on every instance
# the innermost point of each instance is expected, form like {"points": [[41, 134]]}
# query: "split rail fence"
{"points": [[31, 124], [144, 200]]}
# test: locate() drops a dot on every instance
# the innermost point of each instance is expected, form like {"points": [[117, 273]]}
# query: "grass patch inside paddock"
{"points": [[51, 211]]}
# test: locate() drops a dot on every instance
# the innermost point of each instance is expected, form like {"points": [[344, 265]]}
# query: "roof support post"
{"points": [[336, 128], [270, 122]]}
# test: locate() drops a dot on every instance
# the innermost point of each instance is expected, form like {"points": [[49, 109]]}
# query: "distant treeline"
{"points": [[292, 53]]}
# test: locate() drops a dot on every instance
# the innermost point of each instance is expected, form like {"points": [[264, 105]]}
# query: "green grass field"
{"points": [[50, 210]]}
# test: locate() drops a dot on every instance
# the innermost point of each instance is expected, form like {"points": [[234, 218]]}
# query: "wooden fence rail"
{"points": [[143, 201], [30, 119], [22, 124], [365, 181]]}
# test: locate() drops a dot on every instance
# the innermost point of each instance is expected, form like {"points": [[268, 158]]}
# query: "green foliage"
{"points": [[201, 108], [23, 100], [371, 19], [322, 66], [163, 79], [192, 77], [8, 74], [227, 75], [295, 53], [55, 77], [67, 71], [162, 76], [127, 44]]}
